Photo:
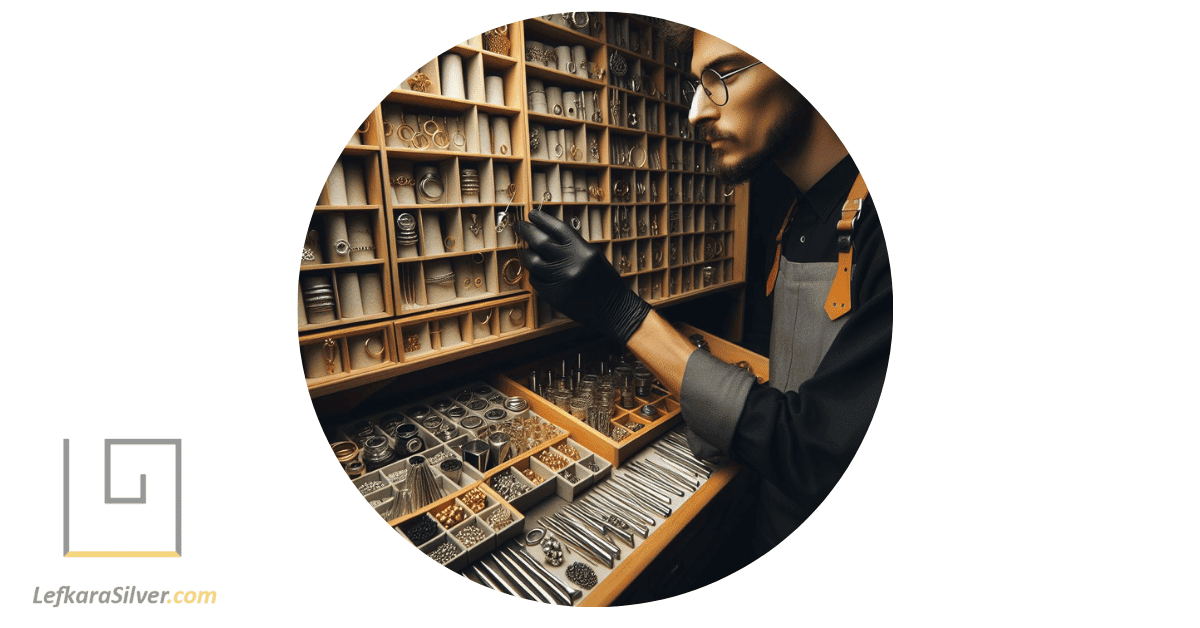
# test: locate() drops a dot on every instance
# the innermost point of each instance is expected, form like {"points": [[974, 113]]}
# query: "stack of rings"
{"points": [[429, 184], [406, 230], [621, 191]]}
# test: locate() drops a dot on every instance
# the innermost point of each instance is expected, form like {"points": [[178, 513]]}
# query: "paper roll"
{"points": [[362, 243], [451, 332], [371, 289], [483, 136], [539, 186], [316, 360], [453, 85], [596, 224], [439, 292], [476, 89], [337, 240], [568, 187], [554, 184], [565, 63], [537, 96], [335, 185], [540, 152], [475, 139], [494, 88], [554, 100], [361, 348], [301, 319], [403, 194], [500, 130], [392, 121], [356, 182], [349, 295], [579, 56], [431, 233], [570, 102]]}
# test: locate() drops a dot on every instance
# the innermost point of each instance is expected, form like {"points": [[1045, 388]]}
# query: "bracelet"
{"points": [[446, 278], [631, 160]]}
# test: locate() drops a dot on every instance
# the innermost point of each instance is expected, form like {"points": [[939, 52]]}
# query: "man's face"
{"points": [[764, 114]]}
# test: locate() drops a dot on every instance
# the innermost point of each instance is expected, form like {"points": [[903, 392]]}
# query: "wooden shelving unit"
{"points": [[636, 182]]}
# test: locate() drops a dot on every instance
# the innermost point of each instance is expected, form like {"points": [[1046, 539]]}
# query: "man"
{"points": [[831, 290]]}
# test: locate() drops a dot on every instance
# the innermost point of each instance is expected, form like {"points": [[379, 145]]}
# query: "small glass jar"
{"points": [[377, 453]]}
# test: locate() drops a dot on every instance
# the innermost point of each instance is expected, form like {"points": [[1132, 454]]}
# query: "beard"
{"points": [[784, 134]]}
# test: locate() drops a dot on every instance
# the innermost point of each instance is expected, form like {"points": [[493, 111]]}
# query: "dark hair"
{"points": [[678, 36]]}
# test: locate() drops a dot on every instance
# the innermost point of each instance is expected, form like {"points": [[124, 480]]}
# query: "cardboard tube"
{"points": [[431, 233], [452, 76], [356, 182], [451, 332], [393, 121], [475, 85], [554, 100], [349, 296], [335, 185], [371, 289], [494, 88], [362, 243], [403, 194], [537, 96], [568, 187], [483, 136], [500, 130], [361, 348], [337, 240], [439, 292]]}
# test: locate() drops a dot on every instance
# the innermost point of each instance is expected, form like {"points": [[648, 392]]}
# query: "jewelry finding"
{"points": [[419, 82], [330, 349]]}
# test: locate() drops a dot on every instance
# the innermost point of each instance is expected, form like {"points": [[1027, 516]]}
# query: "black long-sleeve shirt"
{"points": [[801, 441]]}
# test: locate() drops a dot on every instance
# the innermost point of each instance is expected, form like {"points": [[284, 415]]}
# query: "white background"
{"points": [[100, 527], [1032, 457]]}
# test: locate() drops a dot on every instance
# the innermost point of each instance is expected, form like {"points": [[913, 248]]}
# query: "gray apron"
{"points": [[801, 334]]}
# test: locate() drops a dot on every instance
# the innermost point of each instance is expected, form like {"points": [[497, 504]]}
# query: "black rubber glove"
{"points": [[575, 278]]}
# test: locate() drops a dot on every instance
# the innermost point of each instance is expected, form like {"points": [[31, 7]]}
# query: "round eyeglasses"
{"points": [[714, 85]]}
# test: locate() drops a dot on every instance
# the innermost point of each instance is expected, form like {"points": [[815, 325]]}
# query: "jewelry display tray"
{"points": [[554, 492]]}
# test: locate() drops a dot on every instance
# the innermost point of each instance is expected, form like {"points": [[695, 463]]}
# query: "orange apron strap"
{"points": [[837, 304], [787, 220]]}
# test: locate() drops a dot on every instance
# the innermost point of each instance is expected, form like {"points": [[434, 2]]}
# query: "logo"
{"points": [[146, 526]]}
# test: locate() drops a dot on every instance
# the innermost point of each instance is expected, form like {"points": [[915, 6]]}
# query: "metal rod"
{"points": [[515, 575], [535, 580], [529, 560]]}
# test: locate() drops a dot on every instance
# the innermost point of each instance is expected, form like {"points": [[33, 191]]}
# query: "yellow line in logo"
{"points": [[122, 555]]}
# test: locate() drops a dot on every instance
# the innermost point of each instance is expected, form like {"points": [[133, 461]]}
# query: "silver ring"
{"points": [[425, 194], [534, 536], [342, 247]]}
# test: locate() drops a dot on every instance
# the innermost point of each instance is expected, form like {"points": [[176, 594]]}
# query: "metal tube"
{"points": [[600, 541], [514, 588], [637, 506], [629, 518], [632, 470], [690, 483], [528, 559], [535, 579], [622, 535], [483, 579], [570, 539], [509, 568], [653, 474], [636, 487], [625, 509], [645, 502]]}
